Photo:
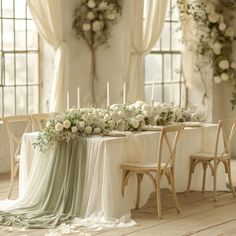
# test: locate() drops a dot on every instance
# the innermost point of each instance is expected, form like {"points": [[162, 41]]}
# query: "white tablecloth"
{"points": [[102, 195]]}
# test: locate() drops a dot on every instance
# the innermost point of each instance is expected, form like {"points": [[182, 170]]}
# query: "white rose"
{"points": [[111, 124], [90, 15], [97, 25], [86, 27], [224, 76], [233, 65], [66, 124], [88, 129], [97, 130], [134, 122], [217, 79], [82, 124], [59, 127], [85, 117], [140, 117], [74, 129], [103, 5], [91, 4], [121, 125], [222, 26], [224, 64]]}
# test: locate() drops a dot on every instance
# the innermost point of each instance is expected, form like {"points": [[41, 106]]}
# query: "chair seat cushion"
{"points": [[209, 156], [141, 166]]}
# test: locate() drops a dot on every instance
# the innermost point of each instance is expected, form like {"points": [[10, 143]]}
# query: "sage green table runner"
{"points": [[58, 197]]}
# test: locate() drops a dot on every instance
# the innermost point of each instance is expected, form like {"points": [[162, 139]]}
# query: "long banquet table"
{"points": [[102, 204]]}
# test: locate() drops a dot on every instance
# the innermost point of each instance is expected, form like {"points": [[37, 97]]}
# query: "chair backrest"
{"points": [[16, 126], [39, 121], [227, 128], [169, 137]]}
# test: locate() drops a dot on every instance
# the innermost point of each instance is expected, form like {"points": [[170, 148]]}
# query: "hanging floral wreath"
{"points": [[212, 39], [92, 22]]}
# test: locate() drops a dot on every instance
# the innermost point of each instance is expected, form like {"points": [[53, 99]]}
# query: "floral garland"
{"points": [[95, 121], [92, 22], [212, 39]]}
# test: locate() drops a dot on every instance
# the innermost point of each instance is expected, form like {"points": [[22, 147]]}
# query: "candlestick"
{"points": [[171, 93], [78, 97], [153, 86], [108, 94], [67, 100], [124, 94]]}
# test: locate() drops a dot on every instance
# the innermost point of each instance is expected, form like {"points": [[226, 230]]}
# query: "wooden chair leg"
{"points": [[174, 193], [230, 178], [215, 183], [191, 165], [139, 180], [158, 191], [204, 166], [123, 182]]}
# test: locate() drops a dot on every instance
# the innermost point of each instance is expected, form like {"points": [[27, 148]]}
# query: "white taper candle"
{"points": [[124, 94], [78, 97], [108, 94]]}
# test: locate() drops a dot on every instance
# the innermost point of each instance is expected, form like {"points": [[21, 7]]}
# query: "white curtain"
{"points": [[47, 16], [143, 36]]}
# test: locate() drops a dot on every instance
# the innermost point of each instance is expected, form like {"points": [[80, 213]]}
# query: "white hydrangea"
{"points": [[74, 129], [112, 15], [97, 130], [222, 26], [213, 18], [103, 5], [97, 25], [88, 129], [217, 48], [229, 32], [217, 79], [134, 122], [81, 124], [106, 117], [224, 64]]}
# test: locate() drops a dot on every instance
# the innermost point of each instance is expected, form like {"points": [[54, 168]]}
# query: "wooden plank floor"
{"points": [[200, 216]]}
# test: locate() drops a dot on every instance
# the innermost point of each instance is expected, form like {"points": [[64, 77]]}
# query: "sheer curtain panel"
{"points": [[47, 16], [146, 23]]}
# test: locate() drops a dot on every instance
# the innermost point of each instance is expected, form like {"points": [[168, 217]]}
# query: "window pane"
{"points": [[176, 36], [20, 69], [21, 102], [29, 16], [167, 93], [9, 101], [167, 67], [174, 9], [9, 69], [32, 36], [176, 93], [8, 38], [7, 8], [165, 37], [153, 67], [33, 68], [33, 95], [20, 8], [157, 93], [176, 67], [1, 111], [20, 34], [0, 33]]}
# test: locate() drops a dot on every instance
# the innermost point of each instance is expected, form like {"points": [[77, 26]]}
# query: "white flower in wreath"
{"points": [[222, 26], [103, 5], [67, 124], [59, 127], [91, 4], [217, 48], [224, 64], [140, 117], [121, 125], [210, 8], [97, 25], [74, 129], [224, 76], [112, 15], [81, 124], [106, 118], [86, 27], [48, 124], [88, 129], [90, 15], [233, 65]]}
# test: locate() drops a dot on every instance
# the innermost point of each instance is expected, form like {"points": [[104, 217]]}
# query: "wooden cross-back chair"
{"points": [[157, 169], [16, 126], [39, 121], [213, 159]]}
